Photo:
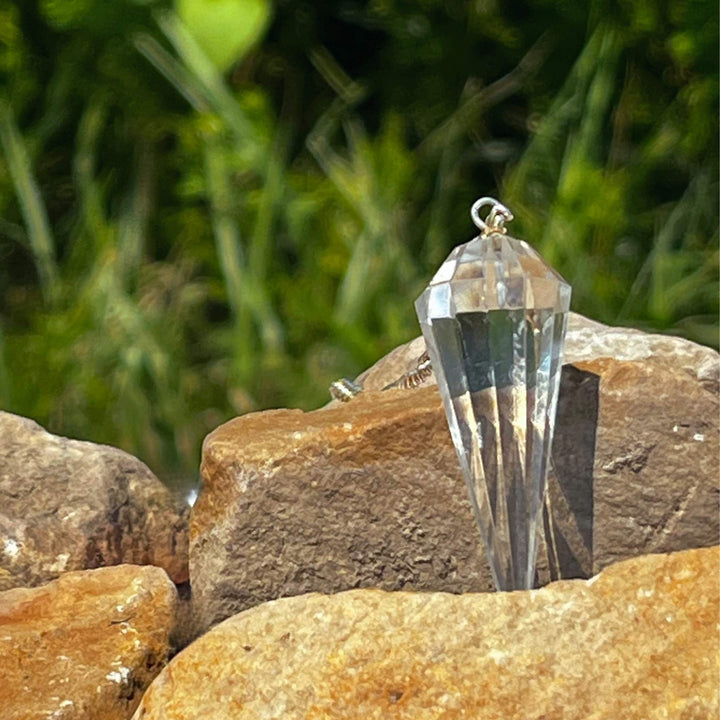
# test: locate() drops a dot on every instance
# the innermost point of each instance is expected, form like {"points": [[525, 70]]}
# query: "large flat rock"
{"points": [[639, 641], [369, 494], [70, 505], [86, 646]]}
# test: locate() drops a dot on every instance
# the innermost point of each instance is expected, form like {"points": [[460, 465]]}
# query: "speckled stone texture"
{"points": [[369, 493], [361, 496], [638, 642], [70, 505], [86, 646]]}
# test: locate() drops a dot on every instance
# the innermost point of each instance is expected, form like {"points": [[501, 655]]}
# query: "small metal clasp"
{"points": [[496, 219]]}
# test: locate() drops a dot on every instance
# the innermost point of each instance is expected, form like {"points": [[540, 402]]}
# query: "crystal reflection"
{"points": [[494, 323]]}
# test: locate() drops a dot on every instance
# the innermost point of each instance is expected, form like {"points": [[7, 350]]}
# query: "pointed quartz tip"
{"points": [[494, 319]]}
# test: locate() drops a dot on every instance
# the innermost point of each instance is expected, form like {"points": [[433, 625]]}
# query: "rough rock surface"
{"points": [[365, 495], [639, 641], [586, 340], [70, 505], [369, 494], [656, 483], [85, 646]]}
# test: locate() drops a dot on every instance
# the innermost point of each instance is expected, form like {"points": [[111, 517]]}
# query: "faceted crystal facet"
{"points": [[494, 319]]}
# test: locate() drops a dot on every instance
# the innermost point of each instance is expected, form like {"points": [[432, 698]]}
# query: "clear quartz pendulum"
{"points": [[494, 319]]}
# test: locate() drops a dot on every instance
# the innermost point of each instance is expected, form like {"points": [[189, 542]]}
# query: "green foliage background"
{"points": [[220, 206]]}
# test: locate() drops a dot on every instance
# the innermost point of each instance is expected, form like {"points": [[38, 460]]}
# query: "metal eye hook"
{"points": [[496, 219]]}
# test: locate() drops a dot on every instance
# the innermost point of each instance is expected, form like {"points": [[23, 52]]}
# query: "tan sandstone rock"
{"points": [[86, 646], [639, 641], [369, 493], [70, 505]]}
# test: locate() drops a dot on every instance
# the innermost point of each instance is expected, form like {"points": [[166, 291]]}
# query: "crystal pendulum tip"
{"points": [[494, 319]]}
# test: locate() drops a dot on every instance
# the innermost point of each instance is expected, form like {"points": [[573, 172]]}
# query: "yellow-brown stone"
{"points": [[71, 505], [637, 642], [84, 646]]}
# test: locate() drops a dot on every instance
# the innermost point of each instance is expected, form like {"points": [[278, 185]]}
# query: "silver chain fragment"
{"points": [[345, 390]]}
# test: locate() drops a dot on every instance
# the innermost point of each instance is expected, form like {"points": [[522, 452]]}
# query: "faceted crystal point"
{"points": [[494, 319]]}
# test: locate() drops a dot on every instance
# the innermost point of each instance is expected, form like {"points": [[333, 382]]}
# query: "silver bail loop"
{"points": [[496, 218]]}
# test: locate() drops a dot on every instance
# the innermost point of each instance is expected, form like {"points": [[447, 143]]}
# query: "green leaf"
{"points": [[225, 29]]}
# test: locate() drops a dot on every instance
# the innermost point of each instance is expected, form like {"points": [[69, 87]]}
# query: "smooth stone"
{"points": [[638, 641], [369, 494], [85, 646], [71, 505]]}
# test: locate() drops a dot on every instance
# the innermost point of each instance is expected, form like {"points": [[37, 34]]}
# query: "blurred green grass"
{"points": [[204, 219]]}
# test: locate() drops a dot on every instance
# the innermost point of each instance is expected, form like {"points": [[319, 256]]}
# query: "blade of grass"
{"points": [[270, 201], [92, 122], [437, 244], [584, 149], [211, 81], [548, 143], [347, 89], [56, 112], [599, 96], [683, 215], [352, 294], [136, 212], [227, 236], [40, 238], [173, 71], [247, 296]]}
